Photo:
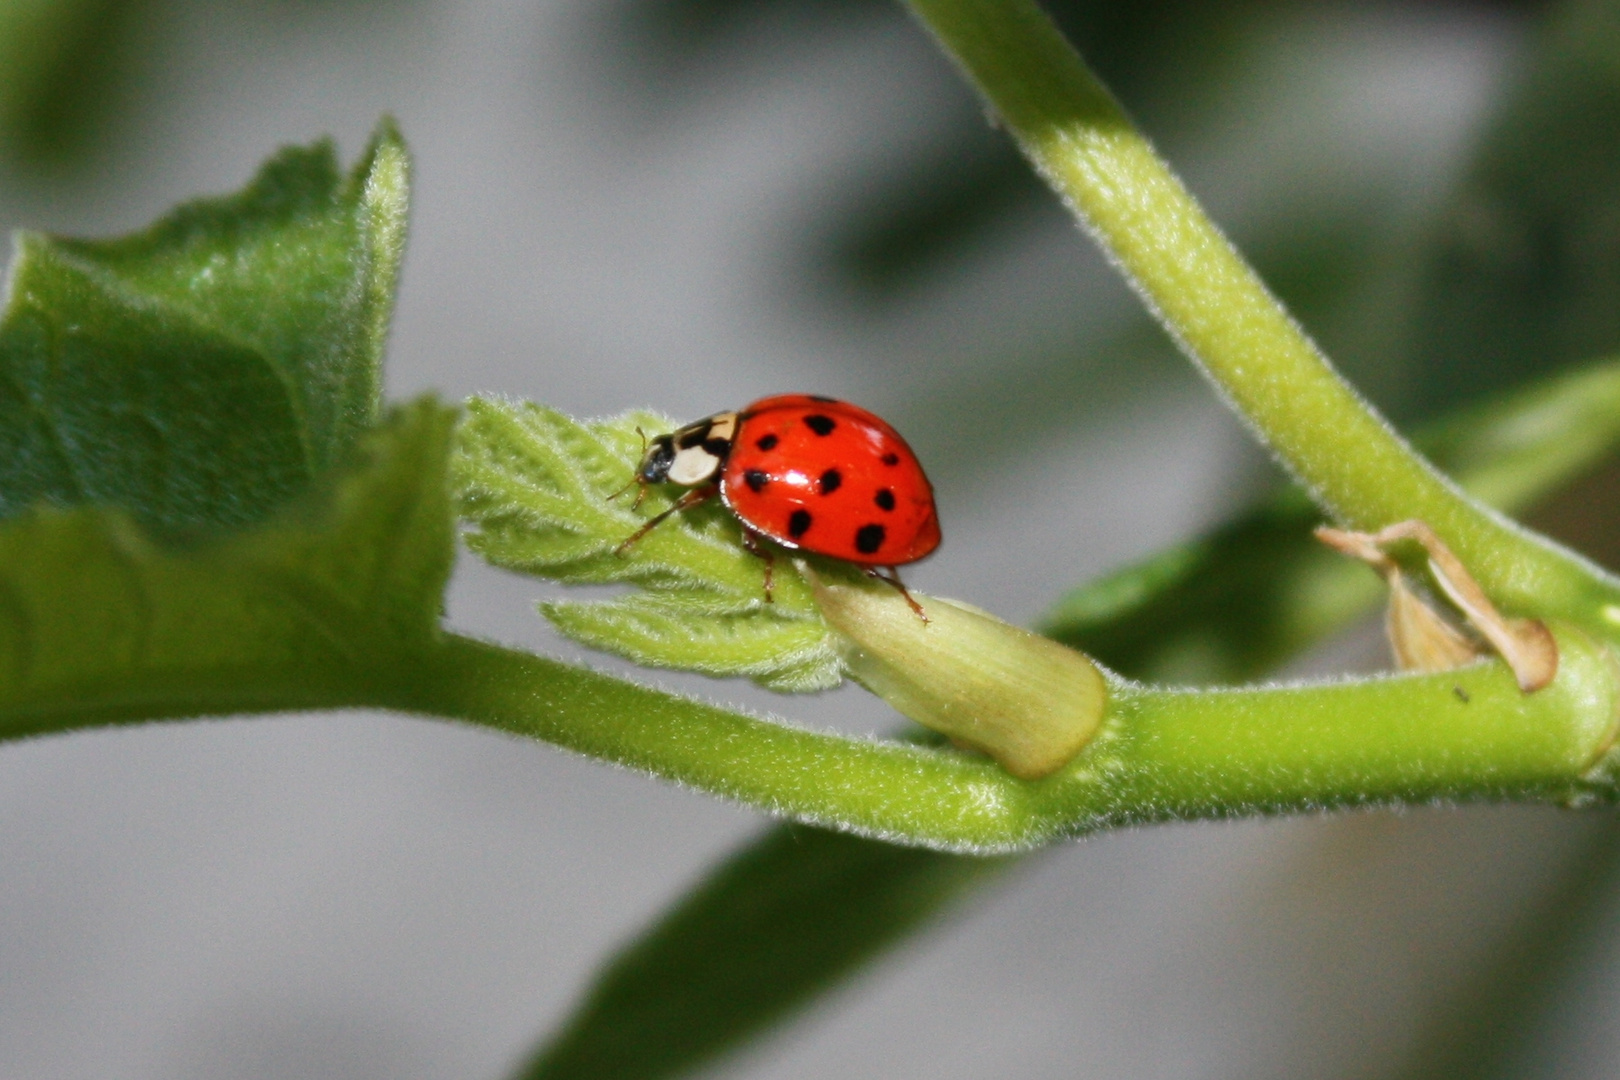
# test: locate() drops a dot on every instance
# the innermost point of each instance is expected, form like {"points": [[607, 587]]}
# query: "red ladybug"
{"points": [[811, 473]]}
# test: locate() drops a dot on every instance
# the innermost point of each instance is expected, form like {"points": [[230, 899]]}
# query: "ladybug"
{"points": [[810, 473]]}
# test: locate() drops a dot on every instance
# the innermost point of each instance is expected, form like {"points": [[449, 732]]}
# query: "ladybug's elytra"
{"points": [[811, 473]]}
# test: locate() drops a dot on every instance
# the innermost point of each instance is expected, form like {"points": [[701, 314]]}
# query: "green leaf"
{"points": [[805, 901], [789, 655], [322, 605], [540, 489], [202, 372], [214, 380]]}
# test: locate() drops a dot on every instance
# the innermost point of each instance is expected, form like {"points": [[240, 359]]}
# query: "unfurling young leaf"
{"points": [[540, 487]]}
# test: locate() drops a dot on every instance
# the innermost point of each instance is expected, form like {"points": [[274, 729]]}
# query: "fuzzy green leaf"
{"points": [[202, 372], [539, 488], [199, 513], [320, 605], [790, 655]]}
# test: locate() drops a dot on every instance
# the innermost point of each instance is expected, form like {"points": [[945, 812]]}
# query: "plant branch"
{"points": [[1162, 753], [1216, 307]]}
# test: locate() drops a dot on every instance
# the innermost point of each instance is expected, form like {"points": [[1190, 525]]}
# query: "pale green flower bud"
{"points": [[1024, 700]]}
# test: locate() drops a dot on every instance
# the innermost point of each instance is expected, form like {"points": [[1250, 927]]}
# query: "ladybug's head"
{"points": [[691, 455], [656, 460]]}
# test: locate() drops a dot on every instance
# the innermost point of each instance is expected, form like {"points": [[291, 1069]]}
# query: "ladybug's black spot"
{"points": [[798, 523], [830, 481], [692, 436], [818, 397], [884, 499], [755, 480], [821, 425], [891, 458], [717, 448], [868, 538], [767, 442]]}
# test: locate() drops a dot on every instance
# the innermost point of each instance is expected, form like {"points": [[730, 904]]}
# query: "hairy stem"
{"points": [[1162, 754], [1225, 319]]}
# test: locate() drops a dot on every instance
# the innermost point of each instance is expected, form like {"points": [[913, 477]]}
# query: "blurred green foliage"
{"points": [[75, 74], [1524, 268], [63, 65], [804, 901]]}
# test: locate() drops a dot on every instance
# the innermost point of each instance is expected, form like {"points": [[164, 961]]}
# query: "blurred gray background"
{"points": [[688, 205]]}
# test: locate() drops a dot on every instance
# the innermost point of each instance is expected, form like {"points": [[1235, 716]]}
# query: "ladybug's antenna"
{"points": [[636, 479]]}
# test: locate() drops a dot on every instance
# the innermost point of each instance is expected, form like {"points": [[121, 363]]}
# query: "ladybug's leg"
{"points": [[893, 578], [750, 540], [685, 502], [641, 491]]}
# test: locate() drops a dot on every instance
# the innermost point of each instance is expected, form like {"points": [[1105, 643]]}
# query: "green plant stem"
{"points": [[1162, 753], [188, 694], [882, 788], [1201, 753], [1225, 319]]}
